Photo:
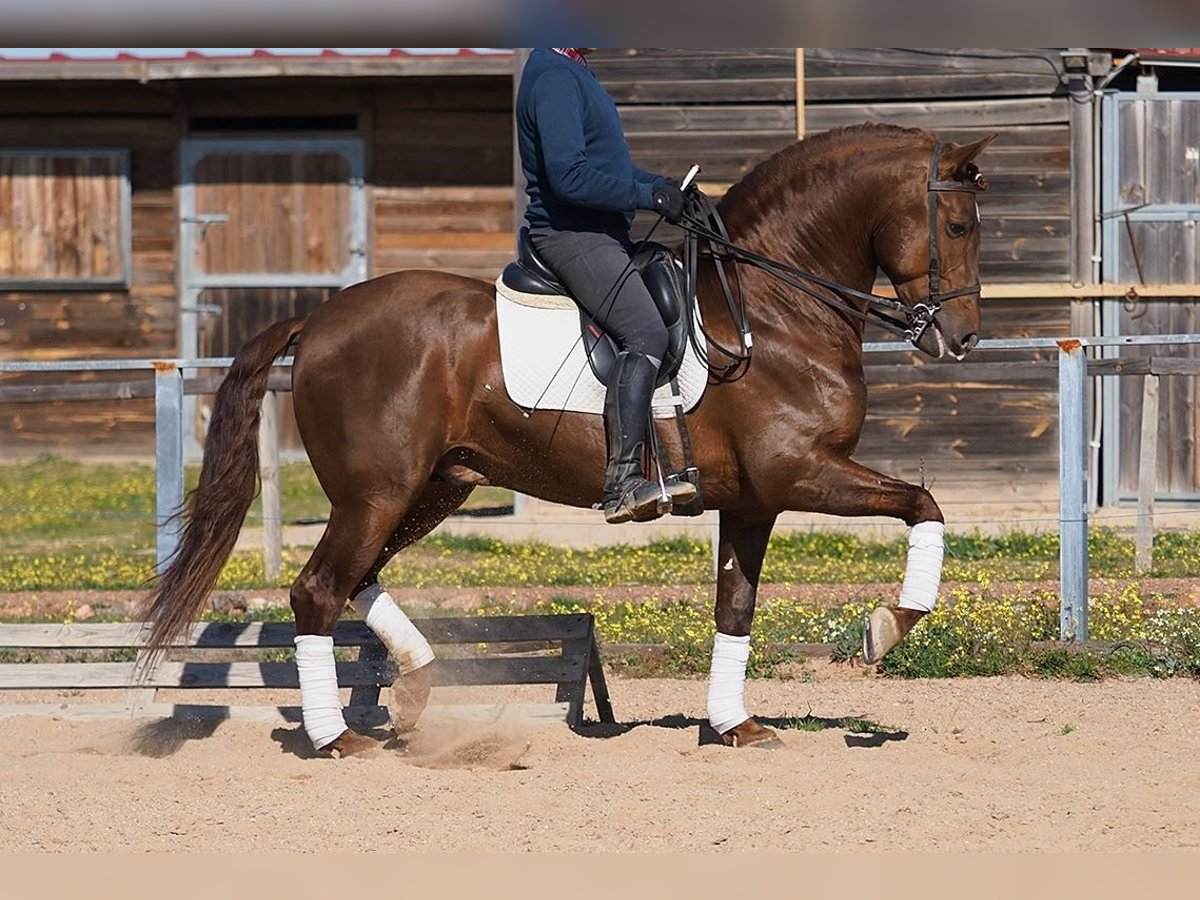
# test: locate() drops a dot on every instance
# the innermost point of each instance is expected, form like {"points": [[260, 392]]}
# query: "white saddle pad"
{"points": [[545, 362]]}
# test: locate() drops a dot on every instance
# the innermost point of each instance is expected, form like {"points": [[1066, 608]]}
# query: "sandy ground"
{"points": [[998, 764]]}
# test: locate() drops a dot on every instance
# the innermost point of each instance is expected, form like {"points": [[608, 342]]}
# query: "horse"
{"points": [[400, 403]]}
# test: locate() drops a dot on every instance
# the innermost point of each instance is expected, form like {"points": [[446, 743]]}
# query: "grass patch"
{"points": [[67, 525], [866, 726], [807, 723]]}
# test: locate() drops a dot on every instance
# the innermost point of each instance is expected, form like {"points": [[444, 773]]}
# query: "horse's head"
{"points": [[928, 245]]}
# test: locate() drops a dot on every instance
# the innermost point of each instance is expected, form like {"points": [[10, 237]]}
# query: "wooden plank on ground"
{"points": [[356, 716], [511, 670], [32, 676], [448, 630]]}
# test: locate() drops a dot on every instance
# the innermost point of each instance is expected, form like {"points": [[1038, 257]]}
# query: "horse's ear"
{"points": [[956, 156]]}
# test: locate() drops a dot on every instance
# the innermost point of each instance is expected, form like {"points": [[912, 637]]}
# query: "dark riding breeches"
{"points": [[590, 265]]}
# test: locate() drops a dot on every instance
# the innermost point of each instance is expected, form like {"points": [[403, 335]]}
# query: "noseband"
{"points": [[702, 221]]}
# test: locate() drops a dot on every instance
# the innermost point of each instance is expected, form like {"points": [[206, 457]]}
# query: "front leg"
{"points": [[845, 488], [743, 544]]}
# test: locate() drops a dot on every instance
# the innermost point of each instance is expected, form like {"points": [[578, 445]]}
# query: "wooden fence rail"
{"points": [[570, 670]]}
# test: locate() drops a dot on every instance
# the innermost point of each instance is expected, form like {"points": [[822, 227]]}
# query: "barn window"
{"points": [[64, 218]]}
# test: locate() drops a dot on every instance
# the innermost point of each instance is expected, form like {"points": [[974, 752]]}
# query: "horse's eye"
{"points": [[957, 229]]}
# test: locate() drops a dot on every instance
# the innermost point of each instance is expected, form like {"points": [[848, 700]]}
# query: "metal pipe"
{"points": [[168, 461], [1072, 491]]}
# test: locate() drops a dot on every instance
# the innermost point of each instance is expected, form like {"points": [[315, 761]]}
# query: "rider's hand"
{"points": [[668, 201]]}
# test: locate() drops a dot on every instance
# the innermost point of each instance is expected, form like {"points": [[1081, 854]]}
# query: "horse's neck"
{"points": [[817, 222], [809, 229]]}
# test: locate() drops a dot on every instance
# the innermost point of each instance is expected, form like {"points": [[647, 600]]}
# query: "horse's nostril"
{"points": [[970, 341]]}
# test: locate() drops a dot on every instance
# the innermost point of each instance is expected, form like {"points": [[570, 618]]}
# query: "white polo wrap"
{"points": [[727, 682], [923, 574], [407, 645], [319, 699]]}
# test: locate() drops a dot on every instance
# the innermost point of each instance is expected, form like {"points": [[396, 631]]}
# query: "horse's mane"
{"points": [[767, 177]]}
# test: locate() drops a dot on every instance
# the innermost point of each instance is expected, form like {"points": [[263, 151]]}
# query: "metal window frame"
{"points": [[124, 280]]}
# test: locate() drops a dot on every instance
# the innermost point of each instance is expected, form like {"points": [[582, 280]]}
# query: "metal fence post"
{"points": [[168, 460], [268, 469], [1072, 490], [1143, 560]]}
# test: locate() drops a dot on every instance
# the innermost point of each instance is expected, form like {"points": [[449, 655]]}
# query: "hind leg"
{"points": [[413, 655], [352, 541]]}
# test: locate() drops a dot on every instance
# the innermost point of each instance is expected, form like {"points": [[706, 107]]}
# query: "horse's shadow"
{"points": [[296, 742], [859, 731], [165, 737]]}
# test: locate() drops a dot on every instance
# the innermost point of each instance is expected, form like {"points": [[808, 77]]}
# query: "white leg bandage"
{"points": [[407, 645], [727, 682], [319, 689], [923, 575]]}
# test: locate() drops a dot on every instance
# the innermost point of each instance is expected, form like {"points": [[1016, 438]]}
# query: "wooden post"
{"points": [[268, 469], [801, 123], [1147, 477]]}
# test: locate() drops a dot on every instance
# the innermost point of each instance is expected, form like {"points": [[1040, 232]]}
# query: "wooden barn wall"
{"points": [[61, 323], [442, 162], [439, 164], [728, 109], [439, 175]]}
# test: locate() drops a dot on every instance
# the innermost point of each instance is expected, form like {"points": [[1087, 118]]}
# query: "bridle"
{"points": [[924, 312], [701, 221]]}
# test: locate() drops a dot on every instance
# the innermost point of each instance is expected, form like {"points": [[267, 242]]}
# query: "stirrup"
{"points": [[680, 491], [642, 501]]}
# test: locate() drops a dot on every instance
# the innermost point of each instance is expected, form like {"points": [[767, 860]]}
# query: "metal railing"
{"points": [[1073, 372]]}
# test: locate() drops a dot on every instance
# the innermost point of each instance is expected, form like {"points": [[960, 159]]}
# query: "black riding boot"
{"points": [[628, 495]]}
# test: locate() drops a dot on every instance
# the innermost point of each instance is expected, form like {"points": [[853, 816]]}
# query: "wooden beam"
{"points": [[256, 67], [800, 117], [352, 633]]}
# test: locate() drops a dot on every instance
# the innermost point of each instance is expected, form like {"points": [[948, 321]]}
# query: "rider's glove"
{"points": [[668, 201]]}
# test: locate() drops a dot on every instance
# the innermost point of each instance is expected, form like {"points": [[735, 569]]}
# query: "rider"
{"points": [[583, 191]]}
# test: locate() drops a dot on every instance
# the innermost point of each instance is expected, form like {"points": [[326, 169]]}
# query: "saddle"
{"points": [[528, 274], [530, 278]]}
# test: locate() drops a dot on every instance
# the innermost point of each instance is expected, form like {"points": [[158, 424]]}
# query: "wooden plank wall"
{"points": [[728, 109], [1156, 133], [64, 324], [441, 151], [996, 441], [440, 170], [439, 164]]}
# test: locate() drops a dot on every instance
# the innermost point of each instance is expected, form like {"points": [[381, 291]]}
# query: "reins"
{"points": [[703, 222]]}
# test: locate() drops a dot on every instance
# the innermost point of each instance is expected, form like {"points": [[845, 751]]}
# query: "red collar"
{"points": [[572, 54]]}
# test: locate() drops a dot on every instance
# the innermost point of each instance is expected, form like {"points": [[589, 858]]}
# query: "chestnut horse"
{"points": [[400, 400]]}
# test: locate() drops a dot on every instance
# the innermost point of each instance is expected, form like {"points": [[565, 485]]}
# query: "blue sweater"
{"points": [[577, 167]]}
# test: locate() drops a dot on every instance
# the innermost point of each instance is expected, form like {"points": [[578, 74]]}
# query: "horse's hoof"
{"points": [[410, 695], [351, 743], [751, 734], [884, 629]]}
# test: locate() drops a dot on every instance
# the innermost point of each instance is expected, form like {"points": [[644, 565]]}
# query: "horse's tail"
{"points": [[216, 508]]}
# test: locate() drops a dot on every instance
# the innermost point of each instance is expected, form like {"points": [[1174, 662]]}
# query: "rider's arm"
{"points": [[651, 178], [557, 109]]}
